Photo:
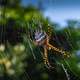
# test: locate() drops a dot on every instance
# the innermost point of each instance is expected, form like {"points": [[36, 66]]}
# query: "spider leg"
{"points": [[64, 53], [46, 61], [49, 46]]}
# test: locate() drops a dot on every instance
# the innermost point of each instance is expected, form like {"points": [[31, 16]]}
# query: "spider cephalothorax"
{"points": [[40, 38]]}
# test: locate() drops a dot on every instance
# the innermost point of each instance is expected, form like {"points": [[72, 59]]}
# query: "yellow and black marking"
{"points": [[48, 46]]}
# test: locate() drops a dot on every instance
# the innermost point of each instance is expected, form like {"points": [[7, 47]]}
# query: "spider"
{"points": [[42, 39]]}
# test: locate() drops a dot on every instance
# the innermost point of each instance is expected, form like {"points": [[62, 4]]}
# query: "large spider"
{"points": [[41, 38]]}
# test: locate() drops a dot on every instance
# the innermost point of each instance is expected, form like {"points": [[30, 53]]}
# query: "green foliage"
{"points": [[17, 58]]}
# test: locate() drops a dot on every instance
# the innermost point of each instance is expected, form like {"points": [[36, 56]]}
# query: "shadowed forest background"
{"points": [[20, 59]]}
